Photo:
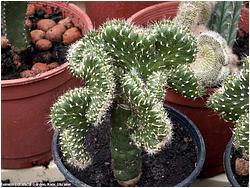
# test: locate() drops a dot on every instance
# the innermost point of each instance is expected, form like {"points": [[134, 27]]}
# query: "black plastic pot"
{"points": [[227, 164], [177, 118]]}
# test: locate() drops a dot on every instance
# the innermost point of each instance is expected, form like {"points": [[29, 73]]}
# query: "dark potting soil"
{"points": [[167, 168], [57, 53], [241, 45], [242, 180]]}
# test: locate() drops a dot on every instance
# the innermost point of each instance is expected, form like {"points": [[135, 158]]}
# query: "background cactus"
{"points": [[119, 64], [232, 99], [232, 102], [208, 69], [193, 14], [213, 61], [241, 135], [225, 19], [14, 14]]}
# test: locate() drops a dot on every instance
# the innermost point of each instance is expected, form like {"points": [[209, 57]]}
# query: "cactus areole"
{"points": [[125, 70]]}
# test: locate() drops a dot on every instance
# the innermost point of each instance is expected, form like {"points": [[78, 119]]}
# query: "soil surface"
{"points": [[241, 45], [167, 168], [57, 53], [242, 180]]}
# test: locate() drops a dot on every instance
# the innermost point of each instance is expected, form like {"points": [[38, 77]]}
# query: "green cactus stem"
{"points": [[183, 80], [14, 13], [89, 61], [241, 135], [194, 13], [157, 83], [67, 115], [174, 45], [126, 157], [232, 99], [225, 19], [128, 45], [150, 125]]}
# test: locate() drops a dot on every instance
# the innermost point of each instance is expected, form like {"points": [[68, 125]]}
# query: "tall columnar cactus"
{"points": [[225, 19], [14, 13], [192, 14], [121, 65]]}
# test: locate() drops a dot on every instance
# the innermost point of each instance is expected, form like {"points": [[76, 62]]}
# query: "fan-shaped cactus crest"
{"points": [[125, 70]]}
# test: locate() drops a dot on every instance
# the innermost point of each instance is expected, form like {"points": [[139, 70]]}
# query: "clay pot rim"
{"points": [[150, 9], [61, 68]]}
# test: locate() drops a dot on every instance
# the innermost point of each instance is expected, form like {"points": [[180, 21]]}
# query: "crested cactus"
{"points": [[14, 14], [225, 19], [193, 14], [121, 65]]}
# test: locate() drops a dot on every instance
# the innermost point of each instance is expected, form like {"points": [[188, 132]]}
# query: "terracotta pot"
{"points": [[100, 11], [215, 131], [244, 20], [26, 132]]}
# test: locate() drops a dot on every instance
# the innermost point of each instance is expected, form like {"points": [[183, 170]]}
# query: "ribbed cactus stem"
{"points": [[150, 124], [241, 135], [183, 80], [194, 13], [88, 60], [67, 115], [173, 45], [126, 157], [225, 19], [14, 13]]}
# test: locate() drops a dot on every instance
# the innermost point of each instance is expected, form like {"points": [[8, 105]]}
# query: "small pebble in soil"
{"points": [[52, 52], [37, 35], [241, 167], [4, 42], [45, 24], [241, 179], [27, 74], [40, 68], [43, 45], [71, 35], [55, 33], [53, 65]]}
